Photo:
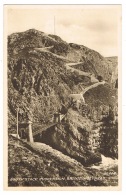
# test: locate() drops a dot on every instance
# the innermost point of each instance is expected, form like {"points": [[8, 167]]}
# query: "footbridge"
{"points": [[28, 130]]}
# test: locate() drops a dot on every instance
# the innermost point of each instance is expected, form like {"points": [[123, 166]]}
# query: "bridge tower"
{"points": [[30, 134], [57, 117]]}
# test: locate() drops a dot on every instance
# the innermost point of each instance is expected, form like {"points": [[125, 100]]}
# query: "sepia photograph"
{"points": [[62, 86]]}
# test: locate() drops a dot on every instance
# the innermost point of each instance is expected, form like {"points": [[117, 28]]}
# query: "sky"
{"points": [[94, 26]]}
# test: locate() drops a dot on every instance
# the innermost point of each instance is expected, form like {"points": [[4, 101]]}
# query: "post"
{"points": [[54, 25], [30, 134], [17, 123]]}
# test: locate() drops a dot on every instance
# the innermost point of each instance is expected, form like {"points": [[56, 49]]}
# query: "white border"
{"points": [[123, 2]]}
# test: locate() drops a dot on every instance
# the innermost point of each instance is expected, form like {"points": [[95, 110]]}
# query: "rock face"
{"points": [[73, 137], [38, 160], [41, 85]]}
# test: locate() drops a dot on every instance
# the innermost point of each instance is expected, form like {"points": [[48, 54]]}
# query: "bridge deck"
{"points": [[43, 128]]}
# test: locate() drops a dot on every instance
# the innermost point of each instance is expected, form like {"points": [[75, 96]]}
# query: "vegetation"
{"points": [[109, 135], [40, 85]]}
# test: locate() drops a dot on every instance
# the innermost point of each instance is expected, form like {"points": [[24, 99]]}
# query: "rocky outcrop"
{"points": [[39, 165], [113, 70], [39, 83], [73, 137]]}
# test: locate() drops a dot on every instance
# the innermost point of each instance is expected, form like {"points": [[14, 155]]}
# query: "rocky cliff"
{"points": [[40, 84]]}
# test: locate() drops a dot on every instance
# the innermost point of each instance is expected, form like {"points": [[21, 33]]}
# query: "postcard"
{"points": [[62, 86]]}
